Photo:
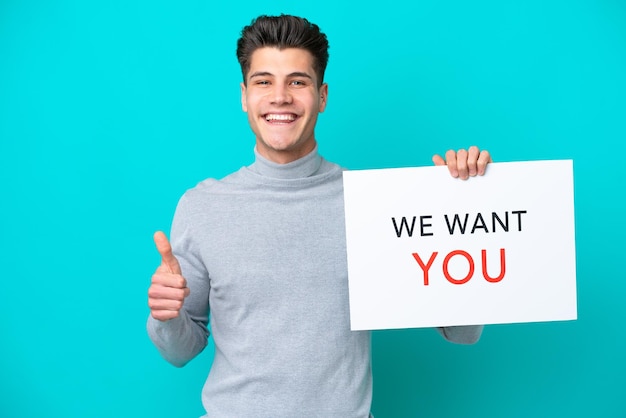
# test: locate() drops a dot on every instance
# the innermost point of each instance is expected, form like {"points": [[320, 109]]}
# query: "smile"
{"points": [[280, 117]]}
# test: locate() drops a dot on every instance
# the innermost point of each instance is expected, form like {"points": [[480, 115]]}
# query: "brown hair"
{"points": [[284, 31]]}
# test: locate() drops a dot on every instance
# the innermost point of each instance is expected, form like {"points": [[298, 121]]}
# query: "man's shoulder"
{"points": [[212, 188], [213, 184], [209, 194], [246, 180]]}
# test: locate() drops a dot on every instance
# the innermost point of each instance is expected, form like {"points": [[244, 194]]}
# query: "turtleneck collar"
{"points": [[300, 168]]}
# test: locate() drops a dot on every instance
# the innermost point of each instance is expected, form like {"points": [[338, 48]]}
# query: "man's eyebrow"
{"points": [[268, 74], [261, 74], [300, 74]]}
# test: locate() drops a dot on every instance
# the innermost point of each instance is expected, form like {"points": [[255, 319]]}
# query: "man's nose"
{"points": [[280, 94]]}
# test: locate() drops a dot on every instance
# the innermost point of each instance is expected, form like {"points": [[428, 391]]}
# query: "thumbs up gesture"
{"points": [[168, 289]]}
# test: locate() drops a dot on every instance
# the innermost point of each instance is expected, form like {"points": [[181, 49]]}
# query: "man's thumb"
{"points": [[165, 249]]}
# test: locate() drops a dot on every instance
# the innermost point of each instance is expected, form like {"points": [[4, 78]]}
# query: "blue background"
{"points": [[110, 110]]}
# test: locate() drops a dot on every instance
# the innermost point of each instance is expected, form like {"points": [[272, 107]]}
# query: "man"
{"points": [[263, 251]]}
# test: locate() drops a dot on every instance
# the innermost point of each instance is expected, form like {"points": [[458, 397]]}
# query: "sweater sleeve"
{"points": [[181, 339], [462, 334]]}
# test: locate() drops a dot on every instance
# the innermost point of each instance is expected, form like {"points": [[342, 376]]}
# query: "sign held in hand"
{"points": [[425, 249]]}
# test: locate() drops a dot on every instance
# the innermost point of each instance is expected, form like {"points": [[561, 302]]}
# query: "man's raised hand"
{"points": [[168, 289], [465, 163]]}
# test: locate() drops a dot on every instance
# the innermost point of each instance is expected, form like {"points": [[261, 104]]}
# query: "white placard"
{"points": [[415, 234]]}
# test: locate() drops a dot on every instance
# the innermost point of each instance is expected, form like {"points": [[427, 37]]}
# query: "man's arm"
{"points": [[469, 334], [178, 332], [464, 164]]}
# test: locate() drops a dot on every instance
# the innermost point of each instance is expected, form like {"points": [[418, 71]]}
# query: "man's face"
{"points": [[282, 100]]}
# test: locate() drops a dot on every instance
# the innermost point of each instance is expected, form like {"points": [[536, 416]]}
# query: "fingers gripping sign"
{"points": [[463, 163], [168, 289]]}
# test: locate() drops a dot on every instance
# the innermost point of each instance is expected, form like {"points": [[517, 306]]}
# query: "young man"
{"points": [[263, 251]]}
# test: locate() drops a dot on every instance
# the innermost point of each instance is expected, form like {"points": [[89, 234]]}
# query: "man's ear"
{"points": [[244, 103], [323, 97]]}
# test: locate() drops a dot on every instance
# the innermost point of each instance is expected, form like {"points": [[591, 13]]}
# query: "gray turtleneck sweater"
{"points": [[264, 254]]}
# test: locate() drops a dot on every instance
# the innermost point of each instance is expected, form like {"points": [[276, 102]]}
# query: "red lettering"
{"points": [[447, 273], [502, 267], [446, 261], [426, 267]]}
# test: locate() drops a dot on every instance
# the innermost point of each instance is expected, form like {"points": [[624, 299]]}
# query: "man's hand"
{"points": [[169, 288], [465, 163]]}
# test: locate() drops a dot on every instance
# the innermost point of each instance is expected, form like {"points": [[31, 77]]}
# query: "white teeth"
{"points": [[280, 117]]}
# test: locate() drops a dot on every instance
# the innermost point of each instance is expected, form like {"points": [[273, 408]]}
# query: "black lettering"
{"points": [[403, 224], [505, 225], [482, 225], [519, 218], [425, 225], [456, 221]]}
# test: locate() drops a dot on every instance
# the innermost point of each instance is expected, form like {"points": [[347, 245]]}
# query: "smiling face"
{"points": [[282, 99]]}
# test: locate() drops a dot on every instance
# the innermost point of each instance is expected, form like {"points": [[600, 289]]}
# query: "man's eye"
{"points": [[298, 83], [263, 83]]}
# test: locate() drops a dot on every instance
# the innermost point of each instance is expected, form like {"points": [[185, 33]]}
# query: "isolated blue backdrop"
{"points": [[110, 110]]}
